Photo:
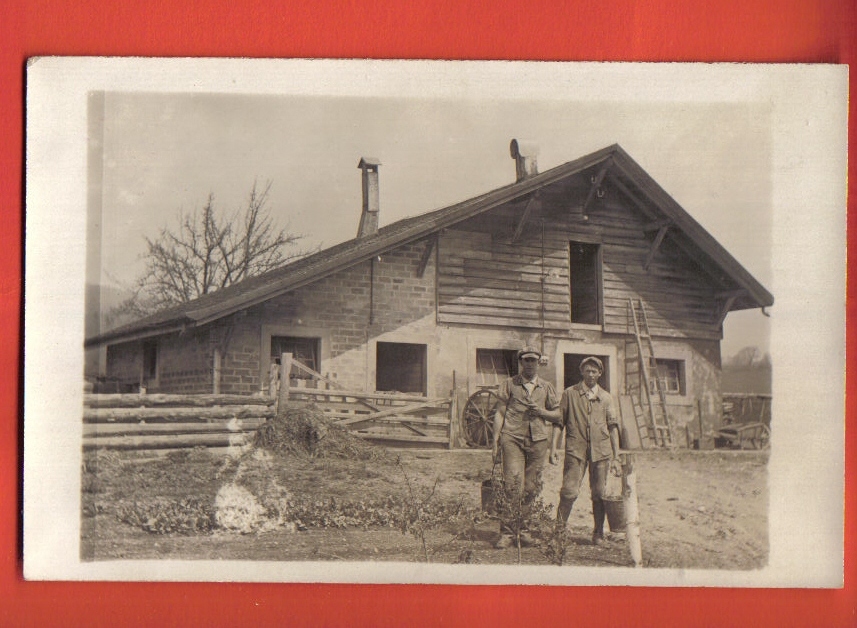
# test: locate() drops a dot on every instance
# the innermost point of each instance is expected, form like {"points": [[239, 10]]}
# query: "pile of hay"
{"points": [[304, 429]]}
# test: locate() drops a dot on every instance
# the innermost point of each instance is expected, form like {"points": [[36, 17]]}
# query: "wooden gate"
{"points": [[389, 418]]}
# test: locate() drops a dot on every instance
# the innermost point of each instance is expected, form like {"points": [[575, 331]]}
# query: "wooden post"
{"points": [[699, 412], [632, 509], [453, 415], [285, 370], [216, 371]]}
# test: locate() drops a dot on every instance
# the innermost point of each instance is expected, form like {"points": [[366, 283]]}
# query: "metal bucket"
{"points": [[615, 509]]}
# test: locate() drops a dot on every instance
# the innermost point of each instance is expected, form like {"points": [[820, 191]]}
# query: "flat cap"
{"points": [[529, 351], [593, 360]]}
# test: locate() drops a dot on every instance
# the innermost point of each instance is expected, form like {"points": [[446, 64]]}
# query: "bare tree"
{"points": [[209, 251]]}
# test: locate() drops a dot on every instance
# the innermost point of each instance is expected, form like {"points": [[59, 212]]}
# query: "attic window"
{"points": [[584, 272]]}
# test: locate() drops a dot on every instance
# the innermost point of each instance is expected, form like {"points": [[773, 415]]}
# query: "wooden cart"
{"points": [[744, 436]]}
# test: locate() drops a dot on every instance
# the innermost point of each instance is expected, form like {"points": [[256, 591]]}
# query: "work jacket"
{"points": [[587, 422], [518, 422]]}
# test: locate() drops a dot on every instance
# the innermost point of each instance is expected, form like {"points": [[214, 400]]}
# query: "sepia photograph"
{"points": [[479, 322]]}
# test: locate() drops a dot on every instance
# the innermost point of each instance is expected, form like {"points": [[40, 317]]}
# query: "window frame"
{"points": [[680, 378], [509, 358], [295, 372]]}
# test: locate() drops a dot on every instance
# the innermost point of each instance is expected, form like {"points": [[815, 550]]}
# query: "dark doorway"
{"points": [[401, 367], [584, 274], [571, 369]]}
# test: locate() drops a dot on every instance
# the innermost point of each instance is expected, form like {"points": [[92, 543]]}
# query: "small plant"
{"points": [[515, 510], [186, 516], [421, 512], [555, 537], [415, 519], [523, 518]]}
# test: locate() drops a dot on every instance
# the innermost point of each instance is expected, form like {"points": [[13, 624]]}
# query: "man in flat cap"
{"points": [[522, 429], [591, 427]]}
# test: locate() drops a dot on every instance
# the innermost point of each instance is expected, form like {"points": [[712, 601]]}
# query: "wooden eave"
{"points": [[692, 235]]}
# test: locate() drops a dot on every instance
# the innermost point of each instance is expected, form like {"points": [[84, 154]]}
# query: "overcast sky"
{"points": [[164, 153]]}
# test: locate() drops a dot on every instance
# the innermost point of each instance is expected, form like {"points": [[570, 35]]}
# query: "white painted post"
{"points": [[632, 510]]}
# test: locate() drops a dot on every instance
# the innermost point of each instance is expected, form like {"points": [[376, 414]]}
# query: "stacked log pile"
{"points": [[159, 421]]}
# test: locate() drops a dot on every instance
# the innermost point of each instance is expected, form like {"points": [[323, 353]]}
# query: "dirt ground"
{"points": [[698, 510]]}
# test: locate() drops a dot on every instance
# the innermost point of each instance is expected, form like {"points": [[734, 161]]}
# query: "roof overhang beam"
{"points": [[662, 232], [532, 204], [426, 256], [657, 225], [724, 310], [614, 179]]}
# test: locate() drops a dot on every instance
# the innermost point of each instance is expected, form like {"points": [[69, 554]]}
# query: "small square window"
{"points": [[672, 377]]}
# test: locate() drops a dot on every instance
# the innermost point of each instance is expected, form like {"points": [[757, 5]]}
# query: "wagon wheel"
{"points": [[762, 438], [478, 418]]}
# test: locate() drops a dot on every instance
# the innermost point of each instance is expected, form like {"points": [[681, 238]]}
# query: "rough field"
{"points": [[318, 496]]}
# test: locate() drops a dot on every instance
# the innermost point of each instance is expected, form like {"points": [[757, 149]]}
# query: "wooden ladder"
{"points": [[655, 427]]}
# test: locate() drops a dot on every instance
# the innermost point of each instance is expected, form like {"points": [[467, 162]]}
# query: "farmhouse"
{"points": [[591, 257]]}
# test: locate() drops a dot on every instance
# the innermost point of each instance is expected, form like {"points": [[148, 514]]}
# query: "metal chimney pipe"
{"points": [[371, 204], [524, 153]]}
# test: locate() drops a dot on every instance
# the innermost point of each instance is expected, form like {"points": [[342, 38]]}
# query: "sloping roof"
{"points": [[306, 270]]}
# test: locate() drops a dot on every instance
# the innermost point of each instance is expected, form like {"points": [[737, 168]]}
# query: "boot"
{"points": [[563, 510], [598, 513]]}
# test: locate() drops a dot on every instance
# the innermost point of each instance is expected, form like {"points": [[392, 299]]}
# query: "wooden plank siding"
{"points": [[484, 278]]}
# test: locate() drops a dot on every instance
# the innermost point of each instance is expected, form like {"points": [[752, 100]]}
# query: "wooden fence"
{"points": [[166, 421], [132, 421], [389, 418]]}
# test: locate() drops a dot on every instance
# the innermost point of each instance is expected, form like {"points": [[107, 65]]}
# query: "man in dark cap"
{"points": [[522, 428], [591, 427]]}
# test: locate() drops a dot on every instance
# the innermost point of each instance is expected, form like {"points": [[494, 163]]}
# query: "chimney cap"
{"points": [[523, 148], [369, 162]]}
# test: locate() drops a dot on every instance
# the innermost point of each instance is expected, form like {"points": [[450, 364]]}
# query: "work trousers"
{"points": [[523, 462], [572, 477]]}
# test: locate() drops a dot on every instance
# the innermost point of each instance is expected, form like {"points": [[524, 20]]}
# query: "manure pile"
{"points": [[306, 430]]}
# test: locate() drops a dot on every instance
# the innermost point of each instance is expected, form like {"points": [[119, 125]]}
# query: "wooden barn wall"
{"points": [[485, 279]]}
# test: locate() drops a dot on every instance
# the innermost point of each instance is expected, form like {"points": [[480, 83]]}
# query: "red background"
{"points": [[605, 30]]}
